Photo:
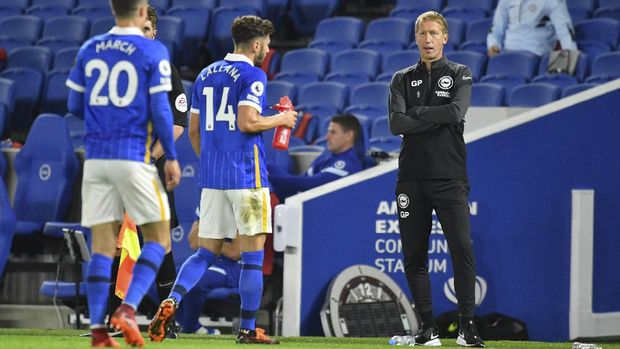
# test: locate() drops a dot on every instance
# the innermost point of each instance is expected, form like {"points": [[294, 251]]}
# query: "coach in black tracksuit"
{"points": [[427, 105]]}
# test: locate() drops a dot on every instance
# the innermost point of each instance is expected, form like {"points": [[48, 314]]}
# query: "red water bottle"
{"points": [[282, 134]]}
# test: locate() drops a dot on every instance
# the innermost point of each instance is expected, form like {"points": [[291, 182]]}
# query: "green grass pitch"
{"points": [[70, 339]]}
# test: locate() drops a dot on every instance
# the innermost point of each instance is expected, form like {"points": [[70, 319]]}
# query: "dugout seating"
{"points": [[487, 95], [534, 95], [46, 170], [7, 221]]}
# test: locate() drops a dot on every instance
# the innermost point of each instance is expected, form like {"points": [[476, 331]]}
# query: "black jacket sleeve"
{"points": [[453, 112], [400, 120], [178, 99]]}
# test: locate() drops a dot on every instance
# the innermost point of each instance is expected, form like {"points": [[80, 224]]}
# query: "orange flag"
{"points": [[130, 250]]}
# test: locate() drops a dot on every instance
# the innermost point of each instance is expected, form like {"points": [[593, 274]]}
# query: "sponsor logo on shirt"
{"points": [[181, 103], [257, 88], [466, 77], [445, 82], [443, 94], [253, 98], [339, 164]]}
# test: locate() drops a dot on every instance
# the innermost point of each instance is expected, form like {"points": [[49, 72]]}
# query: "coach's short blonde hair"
{"points": [[432, 16]]}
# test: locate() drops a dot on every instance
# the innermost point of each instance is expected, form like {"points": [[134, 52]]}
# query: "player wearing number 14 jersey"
{"points": [[119, 86], [225, 130]]}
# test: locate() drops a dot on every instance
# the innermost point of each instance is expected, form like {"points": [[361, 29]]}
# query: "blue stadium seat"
{"points": [[354, 67], [209, 4], [101, 25], [457, 30], [465, 14], [559, 80], [605, 67], [258, 6], [476, 38], [160, 5], [578, 14], [26, 28], [476, 62], [369, 99], [581, 70], [64, 59], [608, 12], [387, 34], [323, 99], [92, 13], [587, 5], [77, 130], [485, 5], [196, 23], [101, 3], [170, 33], [7, 94], [46, 12], [507, 82], [534, 95], [380, 128], [28, 87], [6, 12], [63, 3], [10, 44], [46, 170], [396, 61], [406, 13], [607, 3], [277, 89], [4, 116], [303, 66], [19, 4], [276, 10], [66, 31], [307, 14], [7, 221], [487, 95], [56, 92], [220, 39], [593, 49], [426, 5], [513, 63], [187, 198], [571, 90], [387, 144], [598, 29], [38, 58], [334, 34]]}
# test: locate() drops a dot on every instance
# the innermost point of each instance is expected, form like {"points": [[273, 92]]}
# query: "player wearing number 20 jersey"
{"points": [[117, 72], [230, 159]]}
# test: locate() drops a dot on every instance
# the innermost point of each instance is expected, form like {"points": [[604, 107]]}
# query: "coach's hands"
{"points": [[173, 174], [288, 118]]}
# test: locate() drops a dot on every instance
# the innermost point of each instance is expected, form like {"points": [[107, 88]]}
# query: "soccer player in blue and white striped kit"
{"points": [[119, 85], [225, 130]]}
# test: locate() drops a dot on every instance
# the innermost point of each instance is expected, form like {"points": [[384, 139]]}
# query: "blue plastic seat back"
{"points": [[92, 13], [571, 90], [46, 170], [64, 59], [208, 4], [380, 128], [20, 4], [598, 29], [170, 32], [307, 61], [389, 30], [220, 39], [587, 5], [507, 82], [62, 3], [38, 58], [607, 64], [28, 86], [608, 12], [7, 220], [46, 12], [581, 71], [369, 99], [101, 25], [21, 27], [7, 94], [340, 29], [258, 6], [423, 4], [69, 28], [513, 63], [487, 95], [323, 94], [559, 80], [474, 60], [398, 60], [277, 89], [477, 31], [485, 5], [55, 93], [534, 95], [356, 61], [307, 14]]}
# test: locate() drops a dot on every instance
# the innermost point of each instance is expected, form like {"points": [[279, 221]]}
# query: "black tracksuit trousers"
{"points": [[449, 199]]}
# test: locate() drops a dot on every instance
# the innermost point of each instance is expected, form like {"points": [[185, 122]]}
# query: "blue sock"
{"points": [[250, 287], [144, 273], [97, 288], [191, 272]]}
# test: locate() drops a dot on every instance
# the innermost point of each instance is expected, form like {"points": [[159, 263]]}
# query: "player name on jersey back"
{"points": [[223, 68], [120, 45]]}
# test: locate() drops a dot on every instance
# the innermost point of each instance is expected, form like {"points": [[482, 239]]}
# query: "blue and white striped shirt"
{"points": [[118, 72], [229, 158]]}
